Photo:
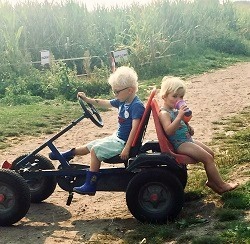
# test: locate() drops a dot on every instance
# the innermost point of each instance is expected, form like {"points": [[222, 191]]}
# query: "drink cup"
{"points": [[180, 103]]}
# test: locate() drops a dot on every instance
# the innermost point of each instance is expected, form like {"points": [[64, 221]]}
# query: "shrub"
{"points": [[229, 43]]}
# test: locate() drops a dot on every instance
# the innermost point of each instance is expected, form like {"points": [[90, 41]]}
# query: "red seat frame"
{"points": [[144, 120], [165, 145]]}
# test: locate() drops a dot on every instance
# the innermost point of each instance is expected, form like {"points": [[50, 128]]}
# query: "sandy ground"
{"points": [[211, 96]]}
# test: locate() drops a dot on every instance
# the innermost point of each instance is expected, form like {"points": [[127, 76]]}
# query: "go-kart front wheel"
{"points": [[41, 187], [155, 196], [14, 197]]}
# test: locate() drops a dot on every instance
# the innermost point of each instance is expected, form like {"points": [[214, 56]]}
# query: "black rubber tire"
{"points": [[14, 197], [181, 175], [155, 196], [41, 187]]}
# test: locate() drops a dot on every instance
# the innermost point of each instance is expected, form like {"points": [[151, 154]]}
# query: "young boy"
{"points": [[179, 133], [124, 83]]}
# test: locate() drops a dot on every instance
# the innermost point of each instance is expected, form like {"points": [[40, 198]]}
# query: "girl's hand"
{"points": [[182, 111], [82, 95]]}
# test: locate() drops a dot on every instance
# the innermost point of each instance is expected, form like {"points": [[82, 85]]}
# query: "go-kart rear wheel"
{"points": [[181, 175], [41, 187], [14, 197], [155, 196]]}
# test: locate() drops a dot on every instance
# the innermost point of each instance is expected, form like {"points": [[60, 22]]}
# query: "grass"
{"points": [[206, 218], [36, 119], [230, 214]]}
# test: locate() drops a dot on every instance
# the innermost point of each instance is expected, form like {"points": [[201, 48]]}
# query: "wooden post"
{"points": [[112, 61]]}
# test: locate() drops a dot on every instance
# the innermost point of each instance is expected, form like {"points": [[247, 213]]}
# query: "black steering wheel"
{"points": [[91, 113]]}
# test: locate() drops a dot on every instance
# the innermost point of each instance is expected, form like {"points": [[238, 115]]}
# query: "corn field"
{"points": [[161, 32]]}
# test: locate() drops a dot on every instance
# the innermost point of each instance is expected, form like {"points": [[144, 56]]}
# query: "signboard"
{"points": [[45, 57], [121, 55]]}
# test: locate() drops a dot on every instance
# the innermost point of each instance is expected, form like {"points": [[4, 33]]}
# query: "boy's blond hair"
{"points": [[171, 84], [124, 77]]}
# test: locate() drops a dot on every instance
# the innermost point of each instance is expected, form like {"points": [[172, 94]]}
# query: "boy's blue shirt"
{"points": [[126, 114]]}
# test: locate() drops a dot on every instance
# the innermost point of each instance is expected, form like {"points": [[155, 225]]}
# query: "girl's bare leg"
{"points": [[205, 147], [200, 154]]}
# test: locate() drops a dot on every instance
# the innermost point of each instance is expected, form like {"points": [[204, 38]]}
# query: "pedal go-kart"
{"points": [[154, 177]]}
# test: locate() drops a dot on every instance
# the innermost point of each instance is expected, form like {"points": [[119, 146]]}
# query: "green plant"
{"points": [[34, 119], [239, 199], [207, 240], [229, 43], [228, 214], [162, 39], [236, 232]]}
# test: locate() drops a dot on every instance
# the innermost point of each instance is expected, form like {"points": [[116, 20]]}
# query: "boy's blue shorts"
{"points": [[106, 147]]}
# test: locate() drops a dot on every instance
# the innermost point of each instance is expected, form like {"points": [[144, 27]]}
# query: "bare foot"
{"points": [[213, 187], [220, 190], [229, 187]]}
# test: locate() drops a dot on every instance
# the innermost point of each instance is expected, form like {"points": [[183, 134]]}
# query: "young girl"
{"points": [[179, 133]]}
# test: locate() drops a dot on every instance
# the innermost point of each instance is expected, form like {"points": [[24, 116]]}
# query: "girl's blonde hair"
{"points": [[171, 84], [124, 77]]}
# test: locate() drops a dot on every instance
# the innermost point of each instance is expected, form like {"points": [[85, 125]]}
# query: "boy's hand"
{"points": [[82, 95], [125, 153]]}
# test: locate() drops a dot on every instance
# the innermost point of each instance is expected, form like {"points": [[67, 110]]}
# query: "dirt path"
{"points": [[211, 96]]}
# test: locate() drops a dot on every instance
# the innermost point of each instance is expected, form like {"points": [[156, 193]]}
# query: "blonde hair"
{"points": [[171, 84], [124, 77]]}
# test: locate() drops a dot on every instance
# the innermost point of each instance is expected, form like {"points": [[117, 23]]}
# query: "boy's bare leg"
{"points": [[89, 187], [95, 163], [81, 150]]}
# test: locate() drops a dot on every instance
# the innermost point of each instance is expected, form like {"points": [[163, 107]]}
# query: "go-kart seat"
{"points": [[165, 145], [137, 142]]}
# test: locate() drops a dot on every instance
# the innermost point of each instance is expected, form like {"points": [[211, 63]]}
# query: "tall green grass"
{"points": [[164, 37], [157, 31]]}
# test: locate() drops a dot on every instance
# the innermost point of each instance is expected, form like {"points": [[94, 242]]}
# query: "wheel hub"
{"points": [[2, 198], [154, 197]]}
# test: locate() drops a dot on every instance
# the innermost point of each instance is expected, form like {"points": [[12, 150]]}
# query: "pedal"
{"points": [[70, 197]]}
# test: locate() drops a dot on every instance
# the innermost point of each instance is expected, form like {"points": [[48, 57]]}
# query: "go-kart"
{"points": [[154, 176]]}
